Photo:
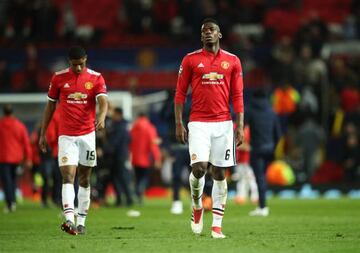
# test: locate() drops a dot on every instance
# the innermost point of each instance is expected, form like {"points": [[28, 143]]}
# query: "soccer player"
{"points": [[76, 89], [215, 77]]}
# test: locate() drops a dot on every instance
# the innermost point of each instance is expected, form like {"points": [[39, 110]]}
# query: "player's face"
{"points": [[210, 33], [78, 65]]}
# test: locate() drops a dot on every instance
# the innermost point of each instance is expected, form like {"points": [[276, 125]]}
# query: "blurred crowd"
{"points": [[304, 53]]}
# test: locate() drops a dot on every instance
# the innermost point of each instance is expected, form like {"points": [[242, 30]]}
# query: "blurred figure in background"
{"points": [[145, 152], [15, 149], [244, 174], [52, 136], [265, 133], [119, 140]]}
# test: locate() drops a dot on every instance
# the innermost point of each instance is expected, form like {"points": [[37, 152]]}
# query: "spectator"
{"points": [[15, 149], [119, 140], [265, 133], [145, 152]]}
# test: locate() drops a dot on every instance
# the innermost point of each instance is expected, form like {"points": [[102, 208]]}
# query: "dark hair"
{"points": [[7, 110], [210, 20], [76, 52], [118, 110]]}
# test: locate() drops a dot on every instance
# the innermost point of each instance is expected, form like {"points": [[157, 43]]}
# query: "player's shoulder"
{"points": [[62, 72], [59, 75], [227, 53], [93, 72], [193, 54]]}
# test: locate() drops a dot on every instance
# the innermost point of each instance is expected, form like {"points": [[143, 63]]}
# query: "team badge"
{"points": [[193, 157], [89, 85], [225, 65], [64, 159]]}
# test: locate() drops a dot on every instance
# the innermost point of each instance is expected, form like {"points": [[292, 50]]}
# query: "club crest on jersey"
{"points": [[193, 157], [89, 85], [212, 76], [225, 65]]}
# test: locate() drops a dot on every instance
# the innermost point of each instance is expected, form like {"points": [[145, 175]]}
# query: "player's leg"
{"points": [[83, 197], [68, 160], [68, 173], [241, 186], [258, 163], [7, 182], [222, 157], [254, 192], [87, 160], [219, 197], [199, 149]]}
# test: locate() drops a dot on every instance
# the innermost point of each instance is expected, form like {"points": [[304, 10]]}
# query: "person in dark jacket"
{"points": [[265, 133], [119, 140]]}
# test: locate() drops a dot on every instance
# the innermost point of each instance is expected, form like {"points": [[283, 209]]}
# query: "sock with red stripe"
{"points": [[68, 196], [196, 188], [84, 204], [219, 196]]}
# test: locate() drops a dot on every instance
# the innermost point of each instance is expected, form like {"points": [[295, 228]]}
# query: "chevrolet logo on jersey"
{"points": [[213, 76], [77, 96]]}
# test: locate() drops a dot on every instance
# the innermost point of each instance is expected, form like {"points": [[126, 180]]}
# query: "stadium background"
{"points": [[305, 53]]}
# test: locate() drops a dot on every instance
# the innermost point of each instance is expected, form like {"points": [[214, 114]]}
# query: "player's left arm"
{"points": [[103, 103], [237, 88]]}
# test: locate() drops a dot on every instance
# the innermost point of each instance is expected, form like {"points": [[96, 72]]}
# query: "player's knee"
{"points": [[198, 170], [68, 178], [218, 174]]}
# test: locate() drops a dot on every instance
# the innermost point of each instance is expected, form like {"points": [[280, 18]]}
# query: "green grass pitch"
{"points": [[302, 226]]}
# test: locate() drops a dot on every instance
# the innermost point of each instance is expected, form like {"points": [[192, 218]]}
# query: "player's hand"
{"points": [[181, 133], [42, 144], [239, 134], [100, 124]]}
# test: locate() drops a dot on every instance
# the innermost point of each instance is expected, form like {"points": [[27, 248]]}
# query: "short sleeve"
{"points": [[100, 88], [53, 93]]}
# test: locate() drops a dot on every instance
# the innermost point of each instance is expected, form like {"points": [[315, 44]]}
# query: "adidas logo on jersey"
{"points": [[66, 85], [201, 65]]}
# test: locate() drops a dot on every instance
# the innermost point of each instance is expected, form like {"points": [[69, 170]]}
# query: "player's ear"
{"points": [[220, 35]]}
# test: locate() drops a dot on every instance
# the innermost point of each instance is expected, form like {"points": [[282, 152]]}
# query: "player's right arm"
{"points": [[48, 113], [53, 96], [183, 82]]}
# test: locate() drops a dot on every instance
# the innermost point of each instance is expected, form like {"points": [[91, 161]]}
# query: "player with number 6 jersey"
{"points": [[215, 78]]}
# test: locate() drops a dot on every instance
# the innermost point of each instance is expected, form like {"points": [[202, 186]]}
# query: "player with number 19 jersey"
{"points": [[77, 95], [214, 79]]}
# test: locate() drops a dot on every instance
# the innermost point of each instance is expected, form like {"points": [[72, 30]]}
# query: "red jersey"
{"points": [[214, 79], [243, 156], [77, 99], [14, 141], [143, 143]]}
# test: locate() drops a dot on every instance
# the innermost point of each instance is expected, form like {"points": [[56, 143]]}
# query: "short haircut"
{"points": [[7, 109], [76, 52], [118, 110], [210, 20]]}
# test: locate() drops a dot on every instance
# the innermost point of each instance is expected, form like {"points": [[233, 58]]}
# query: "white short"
{"points": [[212, 142], [74, 150]]}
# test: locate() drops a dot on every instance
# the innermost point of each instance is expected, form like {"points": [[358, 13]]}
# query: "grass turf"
{"points": [[293, 226]]}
